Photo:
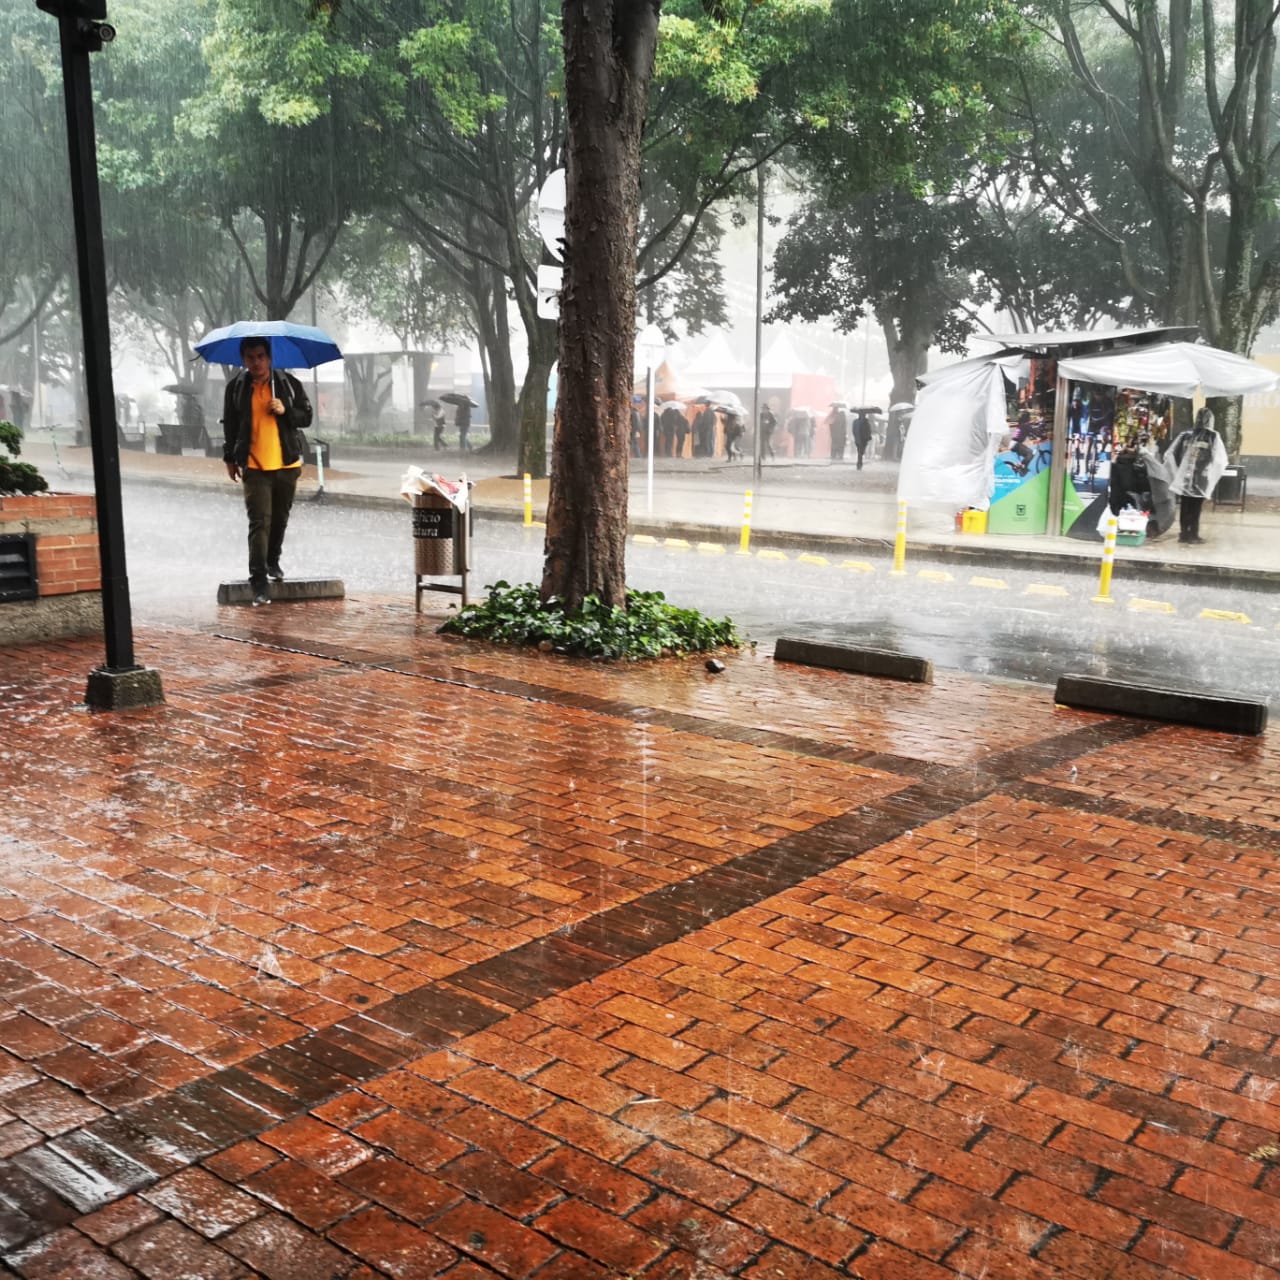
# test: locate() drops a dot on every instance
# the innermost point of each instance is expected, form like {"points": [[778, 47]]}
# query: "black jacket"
{"points": [[237, 417]]}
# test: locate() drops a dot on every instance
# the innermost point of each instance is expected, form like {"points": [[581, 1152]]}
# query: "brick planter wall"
{"points": [[67, 567]]}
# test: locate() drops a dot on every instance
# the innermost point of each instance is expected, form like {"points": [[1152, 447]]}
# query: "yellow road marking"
{"points": [[710, 549], [934, 575], [676, 544], [858, 566], [1043, 589], [1224, 615], [1139, 605], [993, 584], [647, 538], [811, 559], [771, 555]]}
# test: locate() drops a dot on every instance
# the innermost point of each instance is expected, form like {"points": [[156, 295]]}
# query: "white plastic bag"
{"points": [[416, 480]]}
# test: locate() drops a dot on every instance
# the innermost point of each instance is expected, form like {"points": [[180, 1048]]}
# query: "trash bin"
{"points": [[437, 535]]}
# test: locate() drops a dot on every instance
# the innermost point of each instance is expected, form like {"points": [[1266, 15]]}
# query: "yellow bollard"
{"points": [[1108, 560], [528, 499], [744, 541], [900, 542]]}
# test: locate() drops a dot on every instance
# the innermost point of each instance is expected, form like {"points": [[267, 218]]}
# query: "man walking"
{"points": [[264, 412], [861, 434]]}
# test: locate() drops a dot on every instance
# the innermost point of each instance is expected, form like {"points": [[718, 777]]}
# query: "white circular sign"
{"points": [[551, 200]]}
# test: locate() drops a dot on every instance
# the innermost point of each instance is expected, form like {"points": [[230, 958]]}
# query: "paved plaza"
{"points": [[378, 953]]}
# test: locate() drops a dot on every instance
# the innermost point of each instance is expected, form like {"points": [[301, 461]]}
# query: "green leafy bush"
{"points": [[16, 477], [648, 628]]}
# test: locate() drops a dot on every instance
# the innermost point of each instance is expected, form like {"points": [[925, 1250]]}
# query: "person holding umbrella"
{"points": [[437, 421], [264, 410], [862, 433], [462, 406]]}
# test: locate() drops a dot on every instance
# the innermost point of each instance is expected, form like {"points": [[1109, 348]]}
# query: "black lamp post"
{"points": [[120, 682]]}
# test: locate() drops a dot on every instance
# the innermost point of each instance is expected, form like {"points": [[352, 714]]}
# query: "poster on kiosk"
{"points": [[1024, 455]]}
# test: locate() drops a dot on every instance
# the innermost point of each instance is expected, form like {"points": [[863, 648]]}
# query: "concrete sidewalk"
{"points": [[816, 505], [378, 954]]}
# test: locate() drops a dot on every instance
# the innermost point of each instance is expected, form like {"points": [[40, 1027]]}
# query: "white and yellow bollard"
{"points": [[900, 542], [1108, 561], [528, 499], [744, 539]]}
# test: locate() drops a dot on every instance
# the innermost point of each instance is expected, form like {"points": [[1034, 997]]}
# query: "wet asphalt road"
{"points": [[182, 542]]}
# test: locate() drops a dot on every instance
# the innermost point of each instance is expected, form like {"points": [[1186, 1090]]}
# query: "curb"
{"points": [[978, 555]]}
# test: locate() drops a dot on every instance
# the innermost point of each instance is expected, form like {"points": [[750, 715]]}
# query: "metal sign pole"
{"points": [[649, 457], [757, 458]]}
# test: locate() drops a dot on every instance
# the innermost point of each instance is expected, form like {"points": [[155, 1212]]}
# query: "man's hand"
{"points": [[276, 406], [233, 470]]}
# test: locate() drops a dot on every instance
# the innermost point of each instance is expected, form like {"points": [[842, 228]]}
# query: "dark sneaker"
{"points": [[275, 573], [260, 597]]}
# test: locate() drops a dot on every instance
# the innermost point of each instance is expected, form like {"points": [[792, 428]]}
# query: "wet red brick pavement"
{"points": [[374, 953]]}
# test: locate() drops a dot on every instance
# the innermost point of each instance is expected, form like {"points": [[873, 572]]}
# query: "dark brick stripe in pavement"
{"points": [[97, 1163], [1236, 830]]}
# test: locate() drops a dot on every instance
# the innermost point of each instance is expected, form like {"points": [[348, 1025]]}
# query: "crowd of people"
{"points": [[710, 429]]}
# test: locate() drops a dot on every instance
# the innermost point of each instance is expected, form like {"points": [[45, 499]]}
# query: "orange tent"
{"points": [[668, 385]]}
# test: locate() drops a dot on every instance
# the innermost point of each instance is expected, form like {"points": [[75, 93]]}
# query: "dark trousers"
{"points": [[268, 499], [1189, 516]]}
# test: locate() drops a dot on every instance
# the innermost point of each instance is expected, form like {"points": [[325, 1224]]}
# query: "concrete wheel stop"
{"points": [[291, 589], [1222, 712], [863, 662]]}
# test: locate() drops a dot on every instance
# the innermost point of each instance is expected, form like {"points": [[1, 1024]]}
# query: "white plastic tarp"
{"points": [[959, 418], [1173, 369]]}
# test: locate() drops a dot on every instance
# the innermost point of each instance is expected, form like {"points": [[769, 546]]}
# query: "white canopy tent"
{"points": [[1173, 369]]}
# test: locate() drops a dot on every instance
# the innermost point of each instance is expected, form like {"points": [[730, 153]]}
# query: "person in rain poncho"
{"points": [[1198, 458]]}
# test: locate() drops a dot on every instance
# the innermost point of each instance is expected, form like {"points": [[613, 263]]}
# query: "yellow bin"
{"points": [[974, 521]]}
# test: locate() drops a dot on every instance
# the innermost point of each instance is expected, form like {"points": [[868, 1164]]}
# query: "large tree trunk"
{"points": [[608, 55]]}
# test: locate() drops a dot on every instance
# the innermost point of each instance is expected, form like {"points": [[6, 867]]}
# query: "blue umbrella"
{"points": [[293, 346]]}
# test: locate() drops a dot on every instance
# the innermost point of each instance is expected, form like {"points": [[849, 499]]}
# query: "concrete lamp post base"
{"points": [[111, 690]]}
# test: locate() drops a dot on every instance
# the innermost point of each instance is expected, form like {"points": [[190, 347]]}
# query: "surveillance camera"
{"points": [[106, 32]]}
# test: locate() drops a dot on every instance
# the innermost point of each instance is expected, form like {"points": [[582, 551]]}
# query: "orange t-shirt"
{"points": [[264, 445]]}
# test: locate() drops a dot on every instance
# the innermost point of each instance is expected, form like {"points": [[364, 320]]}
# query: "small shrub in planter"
{"points": [[16, 477], [649, 627]]}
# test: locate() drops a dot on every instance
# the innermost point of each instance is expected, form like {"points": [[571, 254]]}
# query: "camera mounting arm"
{"points": [[89, 19]]}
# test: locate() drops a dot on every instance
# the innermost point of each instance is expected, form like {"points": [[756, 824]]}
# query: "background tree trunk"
{"points": [[609, 51], [500, 379], [908, 350], [532, 410]]}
